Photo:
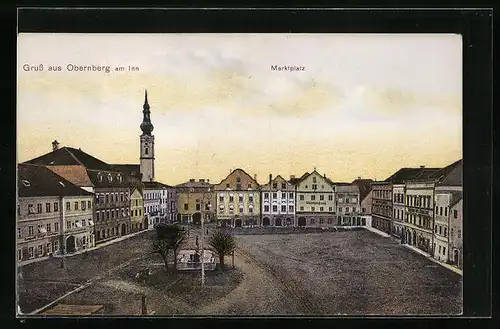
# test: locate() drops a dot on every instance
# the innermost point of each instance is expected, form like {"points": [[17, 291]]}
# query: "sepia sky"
{"points": [[365, 105]]}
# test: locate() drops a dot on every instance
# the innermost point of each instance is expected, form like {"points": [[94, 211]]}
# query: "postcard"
{"points": [[239, 175]]}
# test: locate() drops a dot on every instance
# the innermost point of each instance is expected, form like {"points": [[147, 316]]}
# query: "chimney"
{"points": [[55, 145], [208, 180], [422, 166], [255, 177], [292, 177], [202, 180], [359, 177], [270, 178], [192, 180]]}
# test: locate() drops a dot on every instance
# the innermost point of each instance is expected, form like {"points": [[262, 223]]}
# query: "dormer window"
{"points": [[62, 184], [120, 178], [99, 177], [26, 183], [110, 178], [238, 179]]}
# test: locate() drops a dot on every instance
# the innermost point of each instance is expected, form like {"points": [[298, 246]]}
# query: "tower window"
{"points": [[146, 150]]}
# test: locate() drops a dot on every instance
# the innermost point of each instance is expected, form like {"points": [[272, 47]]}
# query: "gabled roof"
{"points": [[364, 186], [406, 174], [76, 174], [103, 179], [70, 156], [133, 170], [450, 175], [457, 197], [155, 185], [243, 172], [276, 179], [347, 188], [36, 180]]}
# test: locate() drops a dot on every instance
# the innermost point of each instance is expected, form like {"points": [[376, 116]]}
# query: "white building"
{"points": [[347, 200], [398, 209], [152, 194], [278, 202]]}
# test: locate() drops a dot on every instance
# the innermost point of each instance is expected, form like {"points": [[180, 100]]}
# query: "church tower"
{"points": [[147, 144]]}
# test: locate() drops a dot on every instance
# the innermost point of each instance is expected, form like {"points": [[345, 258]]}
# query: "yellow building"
{"points": [[137, 221], [238, 200], [315, 200], [191, 197]]}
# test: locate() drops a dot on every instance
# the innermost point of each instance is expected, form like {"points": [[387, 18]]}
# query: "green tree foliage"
{"points": [[223, 243], [169, 237]]}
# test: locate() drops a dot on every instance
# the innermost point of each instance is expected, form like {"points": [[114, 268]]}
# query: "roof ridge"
{"points": [[72, 155]]}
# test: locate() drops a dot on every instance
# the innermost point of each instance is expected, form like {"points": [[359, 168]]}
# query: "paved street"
{"points": [[356, 272]]}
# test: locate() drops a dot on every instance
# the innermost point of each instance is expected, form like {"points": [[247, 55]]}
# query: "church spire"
{"points": [[146, 125]]}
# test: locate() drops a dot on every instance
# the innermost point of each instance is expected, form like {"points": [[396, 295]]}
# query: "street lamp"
{"points": [[209, 196]]}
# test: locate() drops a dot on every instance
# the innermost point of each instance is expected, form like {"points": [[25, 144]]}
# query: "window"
{"points": [[290, 195], [241, 209], [49, 228], [446, 211], [39, 208], [40, 250], [146, 150], [275, 195], [439, 249], [459, 234], [439, 230], [83, 205], [363, 210], [440, 211], [283, 195], [121, 196], [321, 197], [301, 197], [266, 195], [240, 198], [186, 206], [19, 254], [76, 205], [321, 220], [445, 232], [221, 198], [313, 197], [19, 232], [314, 179], [283, 208], [329, 221], [312, 221], [84, 222], [330, 197], [313, 209], [47, 207], [56, 227], [227, 185], [314, 186], [290, 208], [231, 198], [250, 198], [30, 230], [320, 208], [275, 185], [455, 214], [435, 228], [275, 208], [31, 252], [250, 209], [266, 208], [283, 185]]}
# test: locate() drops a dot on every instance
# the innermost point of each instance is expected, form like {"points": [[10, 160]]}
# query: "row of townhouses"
{"points": [[422, 207], [70, 201]]}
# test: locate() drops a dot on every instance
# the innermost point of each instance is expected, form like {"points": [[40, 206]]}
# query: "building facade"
{"points": [[382, 206], [398, 210], [315, 201], [42, 228], [456, 233], [137, 222], [348, 204], [192, 196], [238, 200], [168, 204], [442, 202], [419, 214], [152, 192], [278, 202]]}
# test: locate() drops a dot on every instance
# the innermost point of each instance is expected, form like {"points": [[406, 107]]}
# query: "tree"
{"points": [[169, 237], [223, 243], [161, 247]]}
